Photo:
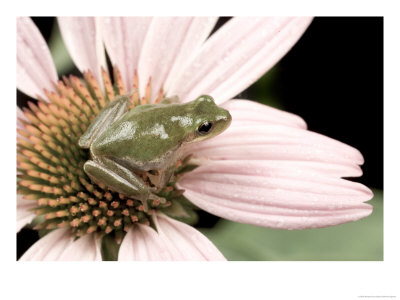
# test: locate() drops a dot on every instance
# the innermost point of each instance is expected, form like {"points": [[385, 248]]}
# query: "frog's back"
{"points": [[144, 138]]}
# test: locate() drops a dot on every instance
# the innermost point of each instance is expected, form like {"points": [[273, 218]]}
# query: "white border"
{"points": [[247, 280]]}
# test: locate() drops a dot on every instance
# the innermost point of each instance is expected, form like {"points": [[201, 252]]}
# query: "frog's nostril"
{"points": [[229, 117]]}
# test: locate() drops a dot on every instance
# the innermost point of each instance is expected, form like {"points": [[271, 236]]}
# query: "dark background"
{"points": [[332, 78]]}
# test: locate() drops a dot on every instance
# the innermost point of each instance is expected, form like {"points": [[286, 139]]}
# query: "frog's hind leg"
{"points": [[120, 179], [107, 116]]}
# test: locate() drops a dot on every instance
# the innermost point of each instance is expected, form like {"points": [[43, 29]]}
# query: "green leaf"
{"points": [[59, 52], [360, 240], [181, 211], [265, 90]]}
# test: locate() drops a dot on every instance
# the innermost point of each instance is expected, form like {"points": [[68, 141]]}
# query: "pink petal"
{"points": [[86, 248], [173, 241], [186, 242], [275, 195], [271, 216], [276, 142], [83, 40], [169, 43], [143, 243], [123, 38], [273, 179], [237, 55], [50, 247], [253, 112], [198, 31], [284, 167], [60, 245], [24, 213], [35, 67]]}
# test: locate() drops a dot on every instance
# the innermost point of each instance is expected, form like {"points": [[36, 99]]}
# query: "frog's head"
{"points": [[209, 119]]}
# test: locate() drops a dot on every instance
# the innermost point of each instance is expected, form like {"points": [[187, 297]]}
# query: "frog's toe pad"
{"points": [[155, 197]]}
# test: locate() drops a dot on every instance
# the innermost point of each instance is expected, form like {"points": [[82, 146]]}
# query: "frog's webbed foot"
{"points": [[155, 180], [162, 200]]}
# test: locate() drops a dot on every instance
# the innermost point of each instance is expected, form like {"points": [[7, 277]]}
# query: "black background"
{"points": [[333, 79]]}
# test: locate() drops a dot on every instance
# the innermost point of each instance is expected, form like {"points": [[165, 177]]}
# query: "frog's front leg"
{"points": [[120, 179]]}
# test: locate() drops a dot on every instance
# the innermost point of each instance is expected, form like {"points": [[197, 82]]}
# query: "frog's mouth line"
{"points": [[50, 164]]}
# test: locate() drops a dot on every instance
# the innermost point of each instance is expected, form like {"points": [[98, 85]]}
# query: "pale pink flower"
{"points": [[266, 169]]}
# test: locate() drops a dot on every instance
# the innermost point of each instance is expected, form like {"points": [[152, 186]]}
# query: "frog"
{"points": [[124, 144]]}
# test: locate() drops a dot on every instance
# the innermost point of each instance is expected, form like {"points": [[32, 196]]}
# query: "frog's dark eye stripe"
{"points": [[204, 128]]}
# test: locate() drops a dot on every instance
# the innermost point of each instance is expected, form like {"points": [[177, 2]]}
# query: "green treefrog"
{"points": [[124, 144]]}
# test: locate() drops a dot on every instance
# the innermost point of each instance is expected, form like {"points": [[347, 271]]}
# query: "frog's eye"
{"points": [[204, 128]]}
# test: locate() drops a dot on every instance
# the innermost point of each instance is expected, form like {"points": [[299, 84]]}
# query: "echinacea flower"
{"points": [[266, 169]]}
